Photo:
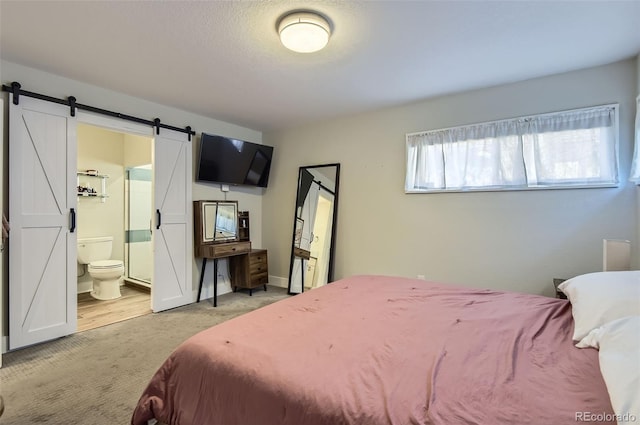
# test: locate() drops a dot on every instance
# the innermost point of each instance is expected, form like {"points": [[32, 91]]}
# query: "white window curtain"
{"points": [[576, 147], [487, 155], [560, 149], [635, 165]]}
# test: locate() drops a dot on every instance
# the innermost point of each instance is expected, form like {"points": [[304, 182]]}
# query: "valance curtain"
{"points": [[635, 165], [566, 148]]}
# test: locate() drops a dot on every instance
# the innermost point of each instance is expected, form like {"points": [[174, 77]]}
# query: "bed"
{"points": [[384, 350]]}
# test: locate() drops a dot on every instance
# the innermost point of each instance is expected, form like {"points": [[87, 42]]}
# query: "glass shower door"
{"points": [[138, 222]]}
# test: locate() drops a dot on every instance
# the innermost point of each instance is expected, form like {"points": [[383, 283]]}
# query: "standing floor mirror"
{"points": [[314, 227]]}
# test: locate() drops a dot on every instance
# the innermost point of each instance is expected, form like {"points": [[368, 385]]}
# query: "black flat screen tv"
{"points": [[235, 162]]}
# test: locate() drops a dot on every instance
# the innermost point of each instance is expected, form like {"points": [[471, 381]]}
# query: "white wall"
{"points": [[638, 73], [60, 87], [516, 240]]}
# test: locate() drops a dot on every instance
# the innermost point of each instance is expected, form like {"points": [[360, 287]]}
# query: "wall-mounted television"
{"points": [[231, 161]]}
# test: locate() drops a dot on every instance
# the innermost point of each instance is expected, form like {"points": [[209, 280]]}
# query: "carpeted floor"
{"points": [[95, 377]]}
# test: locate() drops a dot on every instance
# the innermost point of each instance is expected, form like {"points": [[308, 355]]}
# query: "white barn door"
{"points": [[42, 202], [173, 229]]}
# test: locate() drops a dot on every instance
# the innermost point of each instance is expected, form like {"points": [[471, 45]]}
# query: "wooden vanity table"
{"points": [[248, 267]]}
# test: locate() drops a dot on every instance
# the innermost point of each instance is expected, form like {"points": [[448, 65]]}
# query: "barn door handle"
{"points": [[159, 221], [73, 220]]}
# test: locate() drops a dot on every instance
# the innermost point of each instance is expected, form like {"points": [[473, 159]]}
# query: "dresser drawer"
{"points": [[301, 253], [258, 257], [258, 266], [258, 261], [259, 279], [227, 249]]}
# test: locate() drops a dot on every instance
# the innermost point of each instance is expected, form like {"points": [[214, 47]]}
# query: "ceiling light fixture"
{"points": [[304, 32]]}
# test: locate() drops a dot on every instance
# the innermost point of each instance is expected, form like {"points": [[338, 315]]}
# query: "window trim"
{"points": [[524, 118], [634, 173], [515, 189]]}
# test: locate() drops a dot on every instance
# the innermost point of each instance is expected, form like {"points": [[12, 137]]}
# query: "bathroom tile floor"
{"points": [[94, 313]]}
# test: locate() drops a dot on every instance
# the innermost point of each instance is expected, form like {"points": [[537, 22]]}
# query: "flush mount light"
{"points": [[304, 32]]}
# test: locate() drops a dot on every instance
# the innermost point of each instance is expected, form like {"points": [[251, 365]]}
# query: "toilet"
{"points": [[106, 273]]}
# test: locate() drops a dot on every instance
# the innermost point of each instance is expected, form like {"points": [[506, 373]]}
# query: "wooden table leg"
{"points": [[215, 282], [302, 274], [204, 266]]}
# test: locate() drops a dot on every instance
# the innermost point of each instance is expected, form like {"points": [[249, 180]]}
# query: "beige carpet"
{"points": [[95, 377]]}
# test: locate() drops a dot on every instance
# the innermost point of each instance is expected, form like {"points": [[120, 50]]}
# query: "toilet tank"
{"points": [[94, 249]]}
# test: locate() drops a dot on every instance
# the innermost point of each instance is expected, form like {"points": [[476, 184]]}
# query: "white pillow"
{"points": [[598, 298], [619, 343]]}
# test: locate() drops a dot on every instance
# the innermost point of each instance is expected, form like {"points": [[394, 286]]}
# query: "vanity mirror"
{"points": [[314, 227], [215, 221]]}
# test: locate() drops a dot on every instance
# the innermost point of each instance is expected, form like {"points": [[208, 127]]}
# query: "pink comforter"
{"points": [[383, 350]]}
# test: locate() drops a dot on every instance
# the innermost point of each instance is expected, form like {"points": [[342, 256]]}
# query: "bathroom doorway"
{"points": [[115, 198]]}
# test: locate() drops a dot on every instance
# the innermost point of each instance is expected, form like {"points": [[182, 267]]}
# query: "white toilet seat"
{"points": [[105, 264]]}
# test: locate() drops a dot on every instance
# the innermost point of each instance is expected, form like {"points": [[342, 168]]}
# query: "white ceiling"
{"points": [[223, 59]]}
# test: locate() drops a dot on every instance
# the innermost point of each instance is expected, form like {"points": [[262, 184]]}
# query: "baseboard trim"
{"points": [[281, 282]]}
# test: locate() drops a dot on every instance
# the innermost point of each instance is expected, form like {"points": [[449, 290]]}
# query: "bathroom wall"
{"points": [[137, 150]]}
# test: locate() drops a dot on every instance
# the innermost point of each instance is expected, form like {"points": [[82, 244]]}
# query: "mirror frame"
{"points": [[296, 251], [199, 222]]}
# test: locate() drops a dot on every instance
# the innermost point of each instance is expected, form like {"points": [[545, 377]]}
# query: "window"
{"points": [[576, 148]]}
